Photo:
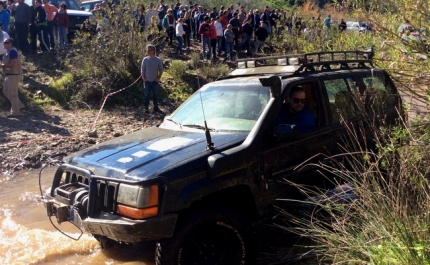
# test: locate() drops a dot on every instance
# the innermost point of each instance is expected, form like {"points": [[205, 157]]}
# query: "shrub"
{"points": [[213, 72], [60, 89], [178, 69], [386, 220], [195, 60]]}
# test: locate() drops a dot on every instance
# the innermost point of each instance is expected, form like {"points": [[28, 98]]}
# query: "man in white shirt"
{"points": [[3, 37], [219, 34], [150, 12]]}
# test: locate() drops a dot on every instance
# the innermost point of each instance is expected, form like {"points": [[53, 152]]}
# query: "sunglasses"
{"points": [[299, 100]]}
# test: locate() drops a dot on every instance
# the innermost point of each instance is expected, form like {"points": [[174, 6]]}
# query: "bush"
{"points": [[195, 60], [178, 69], [386, 221], [60, 89], [213, 72]]}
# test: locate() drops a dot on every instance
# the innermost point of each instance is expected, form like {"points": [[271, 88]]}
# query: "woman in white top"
{"points": [[179, 33], [3, 36]]}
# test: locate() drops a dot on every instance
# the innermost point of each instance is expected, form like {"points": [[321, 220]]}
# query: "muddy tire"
{"points": [[209, 236]]}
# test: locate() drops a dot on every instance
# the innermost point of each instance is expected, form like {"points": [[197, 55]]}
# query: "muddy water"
{"points": [[27, 236]]}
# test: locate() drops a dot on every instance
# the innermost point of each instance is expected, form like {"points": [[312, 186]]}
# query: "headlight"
{"points": [[137, 202]]}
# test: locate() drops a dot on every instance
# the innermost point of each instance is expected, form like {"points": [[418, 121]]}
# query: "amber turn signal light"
{"points": [[137, 213]]}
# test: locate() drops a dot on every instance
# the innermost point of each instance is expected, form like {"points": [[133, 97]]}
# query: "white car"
{"points": [[360, 27]]}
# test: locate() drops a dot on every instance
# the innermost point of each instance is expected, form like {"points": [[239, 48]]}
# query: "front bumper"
{"points": [[88, 202], [113, 226]]}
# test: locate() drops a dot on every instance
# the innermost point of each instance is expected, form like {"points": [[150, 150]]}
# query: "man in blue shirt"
{"points": [[295, 111], [4, 17], [12, 70]]}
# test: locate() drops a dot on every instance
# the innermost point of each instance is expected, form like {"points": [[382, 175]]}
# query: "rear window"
{"points": [[350, 96], [87, 7], [378, 93]]}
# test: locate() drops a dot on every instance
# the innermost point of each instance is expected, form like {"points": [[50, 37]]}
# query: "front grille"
{"points": [[106, 190]]}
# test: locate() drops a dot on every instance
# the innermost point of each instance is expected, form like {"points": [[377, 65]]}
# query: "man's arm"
{"points": [[143, 70], [13, 8], [160, 70], [13, 63], [306, 121]]}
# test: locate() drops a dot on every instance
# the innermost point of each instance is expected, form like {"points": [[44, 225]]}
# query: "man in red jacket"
{"points": [[62, 21], [205, 34]]}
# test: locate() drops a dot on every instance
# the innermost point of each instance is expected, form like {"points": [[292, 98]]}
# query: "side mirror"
{"points": [[287, 132]]}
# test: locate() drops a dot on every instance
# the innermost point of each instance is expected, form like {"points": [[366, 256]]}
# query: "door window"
{"points": [[377, 94], [301, 107], [342, 100]]}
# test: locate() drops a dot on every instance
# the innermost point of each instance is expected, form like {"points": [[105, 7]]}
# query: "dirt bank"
{"points": [[26, 141]]}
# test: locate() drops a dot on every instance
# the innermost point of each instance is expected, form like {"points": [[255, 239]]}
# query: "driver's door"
{"points": [[291, 160]]}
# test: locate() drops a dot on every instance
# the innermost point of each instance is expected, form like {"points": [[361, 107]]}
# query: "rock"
{"points": [[91, 141], [30, 158], [117, 134], [93, 134]]}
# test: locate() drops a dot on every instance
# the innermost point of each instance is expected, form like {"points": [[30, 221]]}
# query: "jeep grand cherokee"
{"points": [[199, 181]]}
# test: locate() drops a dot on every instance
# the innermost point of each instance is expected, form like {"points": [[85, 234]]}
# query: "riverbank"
{"points": [[26, 141]]}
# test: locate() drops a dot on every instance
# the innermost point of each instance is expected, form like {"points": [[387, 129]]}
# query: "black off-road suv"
{"points": [[201, 182]]}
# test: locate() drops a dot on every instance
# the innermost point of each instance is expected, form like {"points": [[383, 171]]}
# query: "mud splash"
{"points": [[27, 236]]}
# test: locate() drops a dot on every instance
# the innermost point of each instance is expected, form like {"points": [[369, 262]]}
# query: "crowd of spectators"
{"points": [[223, 32], [33, 26]]}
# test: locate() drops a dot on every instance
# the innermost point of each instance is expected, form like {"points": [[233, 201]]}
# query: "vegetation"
{"points": [[385, 220]]}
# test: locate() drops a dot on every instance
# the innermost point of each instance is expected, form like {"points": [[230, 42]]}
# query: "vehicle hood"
{"points": [[79, 13], [149, 152]]}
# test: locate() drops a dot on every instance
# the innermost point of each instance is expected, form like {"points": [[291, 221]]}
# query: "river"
{"points": [[27, 236]]}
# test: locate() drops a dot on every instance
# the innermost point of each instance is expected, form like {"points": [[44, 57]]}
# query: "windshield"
{"points": [[227, 105]]}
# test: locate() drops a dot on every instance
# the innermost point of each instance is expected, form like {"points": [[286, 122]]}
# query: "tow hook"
{"points": [[105, 243]]}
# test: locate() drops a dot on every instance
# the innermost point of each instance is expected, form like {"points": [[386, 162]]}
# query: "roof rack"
{"points": [[309, 61]]}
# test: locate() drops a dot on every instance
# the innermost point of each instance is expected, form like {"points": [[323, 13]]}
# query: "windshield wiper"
{"points": [[175, 122], [197, 126]]}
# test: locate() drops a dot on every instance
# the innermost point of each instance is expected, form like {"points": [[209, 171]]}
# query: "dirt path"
{"points": [[26, 141]]}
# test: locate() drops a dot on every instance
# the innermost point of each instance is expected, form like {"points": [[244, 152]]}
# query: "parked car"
{"points": [[75, 14], [413, 41], [200, 182], [89, 5], [361, 27]]}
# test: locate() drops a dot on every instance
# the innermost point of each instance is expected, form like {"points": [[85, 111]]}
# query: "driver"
{"points": [[295, 112]]}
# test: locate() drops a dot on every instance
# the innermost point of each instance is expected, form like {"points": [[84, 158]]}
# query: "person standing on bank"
{"points": [[179, 35], [151, 71], [41, 22], [61, 19], [12, 70], [50, 10], [4, 16], [22, 14], [3, 37]]}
